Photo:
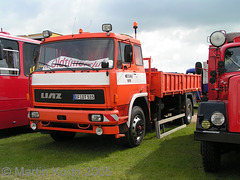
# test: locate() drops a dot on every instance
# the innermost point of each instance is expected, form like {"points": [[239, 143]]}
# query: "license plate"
{"points": [[83, 96]]}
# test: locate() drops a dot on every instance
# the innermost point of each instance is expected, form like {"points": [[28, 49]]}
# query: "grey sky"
{"points": [[173, 32]]}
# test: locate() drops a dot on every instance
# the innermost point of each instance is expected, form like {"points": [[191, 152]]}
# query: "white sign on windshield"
{"points": [[76, 63]]}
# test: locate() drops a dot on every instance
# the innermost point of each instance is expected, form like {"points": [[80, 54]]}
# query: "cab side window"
{"points": [[10, 65], [138, 55], [120, 54], [29, 59]]}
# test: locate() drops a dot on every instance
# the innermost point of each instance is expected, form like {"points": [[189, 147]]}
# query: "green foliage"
{"points": [[176, 156]]}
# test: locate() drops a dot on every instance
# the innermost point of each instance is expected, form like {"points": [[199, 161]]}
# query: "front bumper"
{"points": [[217, 136], [77, 120]]}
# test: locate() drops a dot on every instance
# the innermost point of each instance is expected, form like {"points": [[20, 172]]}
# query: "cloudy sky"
{"points": [[173, 32]]}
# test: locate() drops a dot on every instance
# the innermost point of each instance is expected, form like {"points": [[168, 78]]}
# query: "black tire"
{"points": [[211, 156], [136, 131], [188, 111], [62, 136]]}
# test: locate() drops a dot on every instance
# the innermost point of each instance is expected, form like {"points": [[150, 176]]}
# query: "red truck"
{"points": [[96, 83], [218, 119], [16, 63]]}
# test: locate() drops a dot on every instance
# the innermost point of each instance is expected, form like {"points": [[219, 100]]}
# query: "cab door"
{"points": [[131, 77], [10, 87]]}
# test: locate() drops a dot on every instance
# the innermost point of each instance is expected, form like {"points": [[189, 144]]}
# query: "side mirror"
{"points": [[128, 53], [198, 68], [105, 64], [1, 51]]}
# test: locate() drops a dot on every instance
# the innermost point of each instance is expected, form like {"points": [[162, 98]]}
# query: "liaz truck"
{"points": [[96, 83], [218, 119]]}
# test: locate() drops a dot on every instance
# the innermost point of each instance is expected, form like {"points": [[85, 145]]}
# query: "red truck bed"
{"points": [[162, 84]]}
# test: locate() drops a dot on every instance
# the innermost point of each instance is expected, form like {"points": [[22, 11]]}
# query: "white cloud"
{"points": [[169, 31], [171, 49], [58, 16]]}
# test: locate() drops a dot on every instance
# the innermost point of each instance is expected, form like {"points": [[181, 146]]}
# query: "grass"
{"points": [[195, 108], [177, 156]]}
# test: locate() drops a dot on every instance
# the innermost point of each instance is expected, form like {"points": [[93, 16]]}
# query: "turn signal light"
{"points": [[115, 98]]}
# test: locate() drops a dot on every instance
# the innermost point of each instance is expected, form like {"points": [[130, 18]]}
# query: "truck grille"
{"points": [[70, 96]]}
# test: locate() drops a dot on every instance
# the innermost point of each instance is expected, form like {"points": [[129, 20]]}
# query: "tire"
{"points": [[62, 136], [211, 156], [188, 111], [136, 131]]}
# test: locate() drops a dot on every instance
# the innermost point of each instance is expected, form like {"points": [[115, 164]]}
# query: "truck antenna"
{"points": [[74, 26]]}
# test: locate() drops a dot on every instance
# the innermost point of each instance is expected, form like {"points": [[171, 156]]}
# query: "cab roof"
{"points": [[8, 36], [86, 35]]}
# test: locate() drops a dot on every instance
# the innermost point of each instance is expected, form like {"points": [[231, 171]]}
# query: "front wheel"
{"points": [[62, 136], [211, 156], [136, 131]]}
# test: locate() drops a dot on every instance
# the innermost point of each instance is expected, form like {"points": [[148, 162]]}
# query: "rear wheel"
{"points": [[211, 156], [136, 131], [188, 111], [62, 136]]}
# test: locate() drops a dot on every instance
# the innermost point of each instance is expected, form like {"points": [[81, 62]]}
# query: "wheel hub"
{"points": [[138, 126], [189, 111]]}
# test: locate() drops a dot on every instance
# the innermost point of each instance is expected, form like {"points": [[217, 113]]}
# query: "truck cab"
{"points": [[89, 82], [218, 120]]}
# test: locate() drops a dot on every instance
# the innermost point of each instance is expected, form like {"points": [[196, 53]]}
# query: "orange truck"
{"points": [[96, 83]]}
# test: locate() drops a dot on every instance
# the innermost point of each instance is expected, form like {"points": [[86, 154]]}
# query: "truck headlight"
{"points": [[34, 114], [217, 118], [96, 117], [46, 33], [106, 27], [217, 38]]}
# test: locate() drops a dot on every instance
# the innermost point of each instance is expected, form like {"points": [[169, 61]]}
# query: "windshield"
{"points": [[232, 59], [76, 54]]}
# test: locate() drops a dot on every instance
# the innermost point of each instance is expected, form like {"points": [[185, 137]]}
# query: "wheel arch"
{"points": [[140, 100]]}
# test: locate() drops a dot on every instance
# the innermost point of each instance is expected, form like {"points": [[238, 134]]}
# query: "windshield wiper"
{"points": [[234, 62], [59, 64], [85, 65], [47, 66]]}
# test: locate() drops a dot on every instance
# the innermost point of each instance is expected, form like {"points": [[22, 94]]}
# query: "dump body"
{"points": [[164, 84]]}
